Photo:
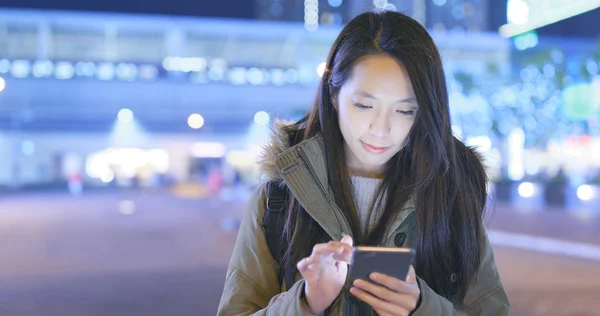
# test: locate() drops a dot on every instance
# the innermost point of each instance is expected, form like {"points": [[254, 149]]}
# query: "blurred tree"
{"points": [[534, 99]]}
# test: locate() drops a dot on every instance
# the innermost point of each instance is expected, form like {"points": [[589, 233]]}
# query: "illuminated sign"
{"points": [[526, 15]]}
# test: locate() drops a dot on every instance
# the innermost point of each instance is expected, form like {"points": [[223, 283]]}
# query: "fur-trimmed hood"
{"points": [[277, 144]]}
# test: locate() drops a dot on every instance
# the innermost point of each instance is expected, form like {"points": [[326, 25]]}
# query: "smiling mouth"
{"points": [[374, 149]]}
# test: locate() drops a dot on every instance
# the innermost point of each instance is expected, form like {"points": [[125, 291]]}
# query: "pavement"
{"points": [[150, 253]]}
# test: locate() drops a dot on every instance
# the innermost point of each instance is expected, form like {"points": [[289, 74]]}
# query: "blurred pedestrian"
{"points": [[215, 181], [75, 184]]}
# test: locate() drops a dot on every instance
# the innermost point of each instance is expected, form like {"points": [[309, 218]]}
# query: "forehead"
{"points": [[380, 74]]}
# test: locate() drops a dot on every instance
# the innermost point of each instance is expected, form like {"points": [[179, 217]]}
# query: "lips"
{"points": [[374, 149]]}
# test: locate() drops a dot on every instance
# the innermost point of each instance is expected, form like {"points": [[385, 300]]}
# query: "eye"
{"points": [[407, 113], [362, 106]]}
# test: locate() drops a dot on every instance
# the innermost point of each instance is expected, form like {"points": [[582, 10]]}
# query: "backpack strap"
{"points": [[273, 222]]}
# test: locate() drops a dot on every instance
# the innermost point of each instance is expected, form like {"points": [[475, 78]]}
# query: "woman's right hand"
{"points": [[324, 273]]}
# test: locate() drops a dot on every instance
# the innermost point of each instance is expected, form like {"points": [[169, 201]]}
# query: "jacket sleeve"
{"points": [[484, 297], [251, 284]]}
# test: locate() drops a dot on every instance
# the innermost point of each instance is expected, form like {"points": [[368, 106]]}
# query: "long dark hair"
{"points": [[445, 178]]}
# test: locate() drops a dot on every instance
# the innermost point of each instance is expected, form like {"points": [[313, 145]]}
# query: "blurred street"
{"points": [[150, 253], [131, 135]]}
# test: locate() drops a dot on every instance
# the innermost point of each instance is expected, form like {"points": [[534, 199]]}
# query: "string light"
{"points": [[311, 15]]}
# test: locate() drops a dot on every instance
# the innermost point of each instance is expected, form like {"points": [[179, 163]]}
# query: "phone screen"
{"points": [[394, 262]]}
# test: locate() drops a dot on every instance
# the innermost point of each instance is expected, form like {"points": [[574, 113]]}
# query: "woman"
{"points": [[374, 163]]}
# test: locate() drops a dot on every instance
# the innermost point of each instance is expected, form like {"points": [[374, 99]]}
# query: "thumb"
{"points": [[412, 275], [347, 240]]}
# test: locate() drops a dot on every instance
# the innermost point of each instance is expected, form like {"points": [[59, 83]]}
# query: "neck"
{"points": [[356, 168], [366, 172]]}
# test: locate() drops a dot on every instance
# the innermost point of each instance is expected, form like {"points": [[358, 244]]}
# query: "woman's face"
{"points": [[376, 109]]}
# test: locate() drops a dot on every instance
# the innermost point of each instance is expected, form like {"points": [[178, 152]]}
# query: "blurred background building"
{"points": [[82, 87], [435, 14], [159, 110]]}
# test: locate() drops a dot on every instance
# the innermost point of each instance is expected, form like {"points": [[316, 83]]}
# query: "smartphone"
{"points": [[390, 261]]}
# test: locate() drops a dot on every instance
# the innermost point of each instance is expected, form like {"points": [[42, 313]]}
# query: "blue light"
{"points": [[106, 71], [20, 68], [42, 68], [277, 77], [125, 116], [526, 40], [262, 118], [148, 72], [85, 69], [237, 75], [578, 101], [291, 76], [64, 70], [592, 67], [127, 72], [4, 66], [28, 148], [334, 3], [255, 76]]}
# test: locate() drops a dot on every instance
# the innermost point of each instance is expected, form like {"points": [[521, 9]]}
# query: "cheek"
{"points": [[355, 120], [401, 131], [349, 121]]}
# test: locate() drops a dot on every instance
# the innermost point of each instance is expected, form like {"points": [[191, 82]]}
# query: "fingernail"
{"points": [[357, 282], [374, 276]]}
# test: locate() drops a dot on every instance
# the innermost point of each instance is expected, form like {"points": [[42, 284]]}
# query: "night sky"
{"points": [[243, 9], [584, 25]]}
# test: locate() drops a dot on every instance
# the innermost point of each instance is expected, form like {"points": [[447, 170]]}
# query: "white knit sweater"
{"points": [[365, 190]]}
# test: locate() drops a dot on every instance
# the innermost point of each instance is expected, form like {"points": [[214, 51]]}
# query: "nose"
{"points": [[380, 124]]}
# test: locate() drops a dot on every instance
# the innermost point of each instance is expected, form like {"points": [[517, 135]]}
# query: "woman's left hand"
{"points": [[388, 295]]}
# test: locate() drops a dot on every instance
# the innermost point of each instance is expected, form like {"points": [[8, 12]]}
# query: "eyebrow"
{"points": [[405, 100]]}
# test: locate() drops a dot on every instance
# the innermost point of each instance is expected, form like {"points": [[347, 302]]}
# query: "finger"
{"points": [[383, 313], [308, 263], [412, 275], [346, 244], [333, 248], [379, 291], [392, 283], [345, 256], [327, 248], [317, 260], [377, 303], [406, 294], [314, 261], [347, 240], [303, 264], [407, 301]]}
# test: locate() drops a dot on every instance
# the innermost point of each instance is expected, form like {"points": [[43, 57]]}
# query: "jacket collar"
{"points": [[303, 169]]}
